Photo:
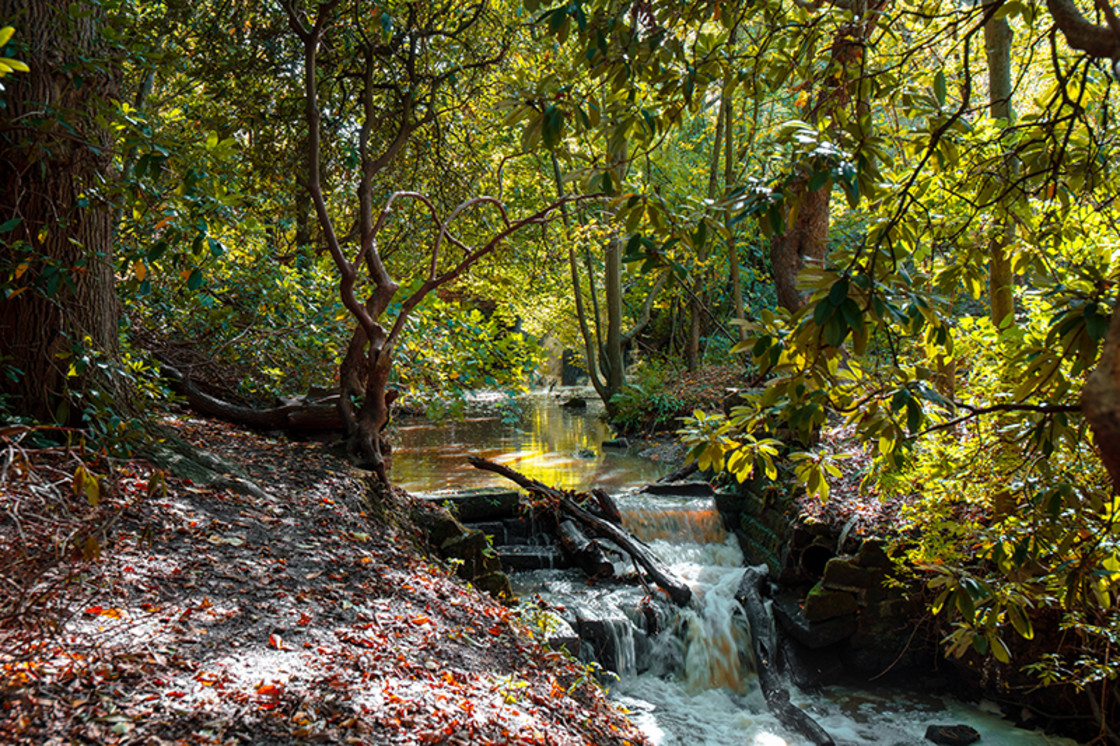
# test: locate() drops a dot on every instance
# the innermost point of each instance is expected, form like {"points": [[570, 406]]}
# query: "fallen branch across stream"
{"points": [[749, 595], [676, 588]]}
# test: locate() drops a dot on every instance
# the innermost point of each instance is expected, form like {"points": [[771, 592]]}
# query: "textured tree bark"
{"points": [[805, 239], [54, 159], [774, 689], [1100, 401], [997, 43]]}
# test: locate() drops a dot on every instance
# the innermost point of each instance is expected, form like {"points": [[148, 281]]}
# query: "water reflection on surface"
{"points": [[557, 446]]}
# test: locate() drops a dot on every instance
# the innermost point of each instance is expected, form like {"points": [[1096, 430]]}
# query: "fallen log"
{"points": [[749, 595], [318, 415], [676, 588], [586, 552]]}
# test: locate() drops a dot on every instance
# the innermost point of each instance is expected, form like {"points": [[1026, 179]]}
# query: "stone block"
{"points": [[524, 557], [478, 505], [813, 635], [846, 575], [496, 529], [823, 603], [873, 554], [464, 546], [684, 489]]}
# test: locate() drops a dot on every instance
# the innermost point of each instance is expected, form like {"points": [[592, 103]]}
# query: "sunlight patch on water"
{"points": [[559, 447]]}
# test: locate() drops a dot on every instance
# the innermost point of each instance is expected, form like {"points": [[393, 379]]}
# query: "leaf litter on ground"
{"points": [[170, 612]]}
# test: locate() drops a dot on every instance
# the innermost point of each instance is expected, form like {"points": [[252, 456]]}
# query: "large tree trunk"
{"points": [[54, 160], [1100, 401]]}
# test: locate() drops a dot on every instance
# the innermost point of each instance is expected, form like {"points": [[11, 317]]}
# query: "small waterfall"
{"points": [[717, 640], [696, 522], [707, 645]]}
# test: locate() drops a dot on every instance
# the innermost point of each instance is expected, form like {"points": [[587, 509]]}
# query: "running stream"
{"points": [[692, 682]]}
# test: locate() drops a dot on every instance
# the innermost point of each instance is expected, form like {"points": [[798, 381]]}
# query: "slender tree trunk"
{"points": [[737, 308], [806, 239], [997, 43], [697, 301], [54, 159], [616, 370]]}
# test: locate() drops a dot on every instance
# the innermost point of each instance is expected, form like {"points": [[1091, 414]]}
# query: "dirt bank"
{"points": [[275, 605]]}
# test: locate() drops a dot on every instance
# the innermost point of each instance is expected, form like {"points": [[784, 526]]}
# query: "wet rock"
{"points": [[559, 634], [494, 583], [521, 531], [813, 635], [685, 489], [464, 546], [612, 641], [823, 603], [616, 443], [952, 735], [576, 402]]}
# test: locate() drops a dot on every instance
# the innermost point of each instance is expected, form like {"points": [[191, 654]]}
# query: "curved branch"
{"points": [[1083, 35], [433, 282]]}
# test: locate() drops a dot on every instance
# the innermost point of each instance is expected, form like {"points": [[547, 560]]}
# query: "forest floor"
{"points": [[277, 605]]}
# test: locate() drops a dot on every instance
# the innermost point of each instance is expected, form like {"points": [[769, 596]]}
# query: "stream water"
{"points": [[692, 683]]}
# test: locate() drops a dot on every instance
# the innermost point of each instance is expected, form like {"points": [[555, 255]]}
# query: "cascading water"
{"points": [[686, 676]]}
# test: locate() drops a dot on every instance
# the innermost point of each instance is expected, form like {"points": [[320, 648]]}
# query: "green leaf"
{"points": [[552, 127], [1021, 622], [913, 415], [1095, 324], [838, 292], [822, 313], [10, 224], [965, 605], [835, 331], [940, 90], [818, 180], [195, 280], [999, 649]]}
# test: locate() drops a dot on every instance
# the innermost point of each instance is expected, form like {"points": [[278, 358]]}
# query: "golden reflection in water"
{"points": [[559, 447]]}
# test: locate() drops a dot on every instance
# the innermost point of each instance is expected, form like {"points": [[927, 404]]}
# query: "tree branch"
{"points": [[1083, 35]]}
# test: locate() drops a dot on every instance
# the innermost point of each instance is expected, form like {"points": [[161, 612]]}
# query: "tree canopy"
{"points": [[897, 218]]}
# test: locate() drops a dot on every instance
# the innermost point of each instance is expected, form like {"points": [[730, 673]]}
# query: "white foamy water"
{"points": [[697, 686], [703, 691]]}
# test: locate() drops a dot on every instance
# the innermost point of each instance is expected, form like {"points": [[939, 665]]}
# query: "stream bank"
{"points": [[687, 676], [850, 614], [246, 590]]}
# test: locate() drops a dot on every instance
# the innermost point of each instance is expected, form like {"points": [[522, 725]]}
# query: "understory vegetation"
{"points": [[759, 224]]}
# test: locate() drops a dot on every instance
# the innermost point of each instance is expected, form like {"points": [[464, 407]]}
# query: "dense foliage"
{"points": [[947, 310]]}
